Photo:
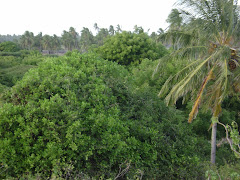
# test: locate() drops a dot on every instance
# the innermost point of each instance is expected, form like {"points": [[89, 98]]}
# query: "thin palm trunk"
{"points": [[213, 143]]}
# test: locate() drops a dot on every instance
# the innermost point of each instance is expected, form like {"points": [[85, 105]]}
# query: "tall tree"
{"points": [[101, 35], [119, 29], [138, 29], [74, 36], [47, 42], [208, 42], [96, 27], [56, 43], [86, 39], [27, 40], [67, 40], [175, 19], [111, 30], [37, 41]]}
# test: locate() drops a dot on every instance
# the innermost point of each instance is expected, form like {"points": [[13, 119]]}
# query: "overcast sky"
{"points": [[54, 16]]}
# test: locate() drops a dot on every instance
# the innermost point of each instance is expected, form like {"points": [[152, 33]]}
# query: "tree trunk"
{"points": [[213, 143]]}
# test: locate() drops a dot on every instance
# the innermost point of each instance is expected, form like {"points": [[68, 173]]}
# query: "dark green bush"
{"points": [[81, 114], [17, 54], [9, 76], [13, 68], [9, 46]]}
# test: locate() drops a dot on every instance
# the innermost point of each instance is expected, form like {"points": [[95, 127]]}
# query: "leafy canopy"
{"points": [[9, 46], [81, 114], [131, 48]]}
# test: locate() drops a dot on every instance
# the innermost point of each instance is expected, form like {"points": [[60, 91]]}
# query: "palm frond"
{"points": [[194, 111], [180, 89]]}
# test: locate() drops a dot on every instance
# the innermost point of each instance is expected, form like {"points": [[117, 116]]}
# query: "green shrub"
{"points": [[81, 114], [9, 61], [33, 59], [226, 171], [9, 46], [130, 48], [9, 76], [17, 54], [13, 68]]}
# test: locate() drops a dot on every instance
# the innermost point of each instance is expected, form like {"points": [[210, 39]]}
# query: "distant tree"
{"points": [[13, 38], [154, 36], [47, 42], [74, 36], [101, 35], [56, 43], [138, 30], [37, 41], [175, 19], [96, 27], [119, 29], [86, 39], [111, 30], [67, 40], [27, 40]]}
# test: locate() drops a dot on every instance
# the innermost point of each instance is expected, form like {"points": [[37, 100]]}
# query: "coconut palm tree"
{"points": [[67, 40], [37, 41], [86, 39], [119, 29], [208, 42], [47, 42], [175, 19], [111, 30], [74, 36], [27, 40], [56, 43]]}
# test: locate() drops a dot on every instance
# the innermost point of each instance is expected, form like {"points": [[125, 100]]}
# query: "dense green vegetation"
{"points": [[8, 46], [131, 48], [95, 113], [90, 117]]}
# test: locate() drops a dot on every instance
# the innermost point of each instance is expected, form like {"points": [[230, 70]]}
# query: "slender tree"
{"points": [[86, 39], [27, 40], [96, 27], [67, 40], [37, 41], [74, 36], [119, 29], [47, 42], [101, 35], [111, 30], [138, 29], [175, 19], [56, 43]]}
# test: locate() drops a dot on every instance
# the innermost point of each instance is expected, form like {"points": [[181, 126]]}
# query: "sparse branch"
{"points": [[229, 140], [124, 171]]}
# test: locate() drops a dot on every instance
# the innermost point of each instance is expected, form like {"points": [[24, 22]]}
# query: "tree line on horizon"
{"points": [[71, 39]]}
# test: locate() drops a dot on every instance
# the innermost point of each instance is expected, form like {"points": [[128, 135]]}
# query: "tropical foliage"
{"points": [[94, 112], [9, 46], [207, 40], [131, 48], [88, 118]]}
